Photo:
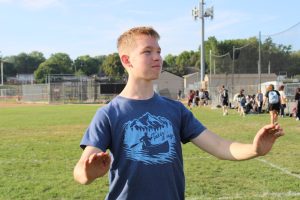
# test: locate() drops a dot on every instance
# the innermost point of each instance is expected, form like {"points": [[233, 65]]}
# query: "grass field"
{"points": [[40, 146]]}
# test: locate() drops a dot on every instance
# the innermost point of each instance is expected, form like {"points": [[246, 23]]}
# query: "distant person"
{"points": [[191, 97], [235, 102], [283, 100], [202, 97], [206, 97], [224, 98], [241, 98], [297, 98], [259, 100], [196, 98], [273, 99], [144, 132], [179, 95], [249, 105]]}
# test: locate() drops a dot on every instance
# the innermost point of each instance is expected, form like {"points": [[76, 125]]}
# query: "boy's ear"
{"points": [[125, 60]]}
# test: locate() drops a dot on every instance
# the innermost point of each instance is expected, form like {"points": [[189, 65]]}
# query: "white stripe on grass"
{"points": [[265, 195], [243, 196], [278, 167]]}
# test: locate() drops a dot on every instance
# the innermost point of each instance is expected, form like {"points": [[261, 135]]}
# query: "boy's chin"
{"points": [[153, 78]]}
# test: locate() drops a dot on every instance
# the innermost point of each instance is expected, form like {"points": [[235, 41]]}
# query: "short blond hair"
{"points": [[127, 40]]}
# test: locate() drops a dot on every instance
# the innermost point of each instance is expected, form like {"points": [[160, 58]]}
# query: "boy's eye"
{"points": [[147, 51]]}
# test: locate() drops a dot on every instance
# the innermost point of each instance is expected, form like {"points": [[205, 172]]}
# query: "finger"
{"points": [[86, 162], [279, 133], [269, 127], [277, 129], [105, 157], [102, 155], [266, 129], [277, 126], [92, 158]]}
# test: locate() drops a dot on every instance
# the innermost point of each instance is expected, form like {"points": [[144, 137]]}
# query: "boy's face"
{"points": [[145, 61]]}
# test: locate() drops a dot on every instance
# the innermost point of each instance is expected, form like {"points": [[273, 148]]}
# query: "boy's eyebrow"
{"points": [[151, 47]]}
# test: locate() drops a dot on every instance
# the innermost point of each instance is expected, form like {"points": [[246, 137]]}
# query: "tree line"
{"points": [[238, 56]]}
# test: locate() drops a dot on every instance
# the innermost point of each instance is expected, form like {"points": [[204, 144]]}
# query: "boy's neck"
{"points": [[139, 91]]}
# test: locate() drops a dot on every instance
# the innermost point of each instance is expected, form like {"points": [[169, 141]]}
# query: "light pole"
{"points": [[209, 68], [1, 71], [259, 60], [1, 60], [201, 14], [232, 72]]}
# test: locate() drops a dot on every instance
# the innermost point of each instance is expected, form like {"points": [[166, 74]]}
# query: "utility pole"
{"points": [[232, 72], [201, 14], [1, 60], [259, 60], [210, 68], [1, 71]]}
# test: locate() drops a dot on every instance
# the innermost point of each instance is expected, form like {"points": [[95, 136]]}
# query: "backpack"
{"points": [[273, 97]]}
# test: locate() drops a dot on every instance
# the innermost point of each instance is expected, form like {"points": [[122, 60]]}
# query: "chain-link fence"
{"points": [[214, 92], [9, 95], [62, 92], [94, 92]]}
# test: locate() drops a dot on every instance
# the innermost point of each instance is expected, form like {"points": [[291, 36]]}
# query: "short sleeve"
{"points": [[297, 97], [190, 126], [267, 94], [98, 134]]}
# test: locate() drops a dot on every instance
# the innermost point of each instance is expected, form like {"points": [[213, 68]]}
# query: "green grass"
{"points": [[40, 146]]}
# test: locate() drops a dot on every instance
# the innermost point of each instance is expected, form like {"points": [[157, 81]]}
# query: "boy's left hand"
{"points": [[265, 138]]}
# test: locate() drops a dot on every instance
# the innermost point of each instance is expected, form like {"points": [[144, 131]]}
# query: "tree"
{"points": [[279, 56], [87, 65], [112, 67], [100, 60], [59, 63], [294, 68], [9, 66], [28, 63], [170, 63], [210, 45], [36, 58], [183, 62]]}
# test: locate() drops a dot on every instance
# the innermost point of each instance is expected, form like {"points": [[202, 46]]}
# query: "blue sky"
{"points": [[91, 27]]}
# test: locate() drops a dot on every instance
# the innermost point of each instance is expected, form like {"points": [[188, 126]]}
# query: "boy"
{"points": [[143, 132]]}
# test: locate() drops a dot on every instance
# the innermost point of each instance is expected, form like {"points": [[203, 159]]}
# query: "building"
{"points": [[168, 84], [21, 79]]}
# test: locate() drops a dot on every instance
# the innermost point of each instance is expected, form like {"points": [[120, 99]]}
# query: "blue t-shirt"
{"points": [[144, 138]]}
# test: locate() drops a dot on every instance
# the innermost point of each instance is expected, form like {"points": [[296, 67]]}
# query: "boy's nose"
{"points": [[157, 57]]}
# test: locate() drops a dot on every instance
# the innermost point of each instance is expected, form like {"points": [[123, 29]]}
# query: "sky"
{"points": [[91, 27]]}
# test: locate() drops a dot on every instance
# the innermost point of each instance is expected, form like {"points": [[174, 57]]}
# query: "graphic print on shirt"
{"points": [[149, 139]]}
